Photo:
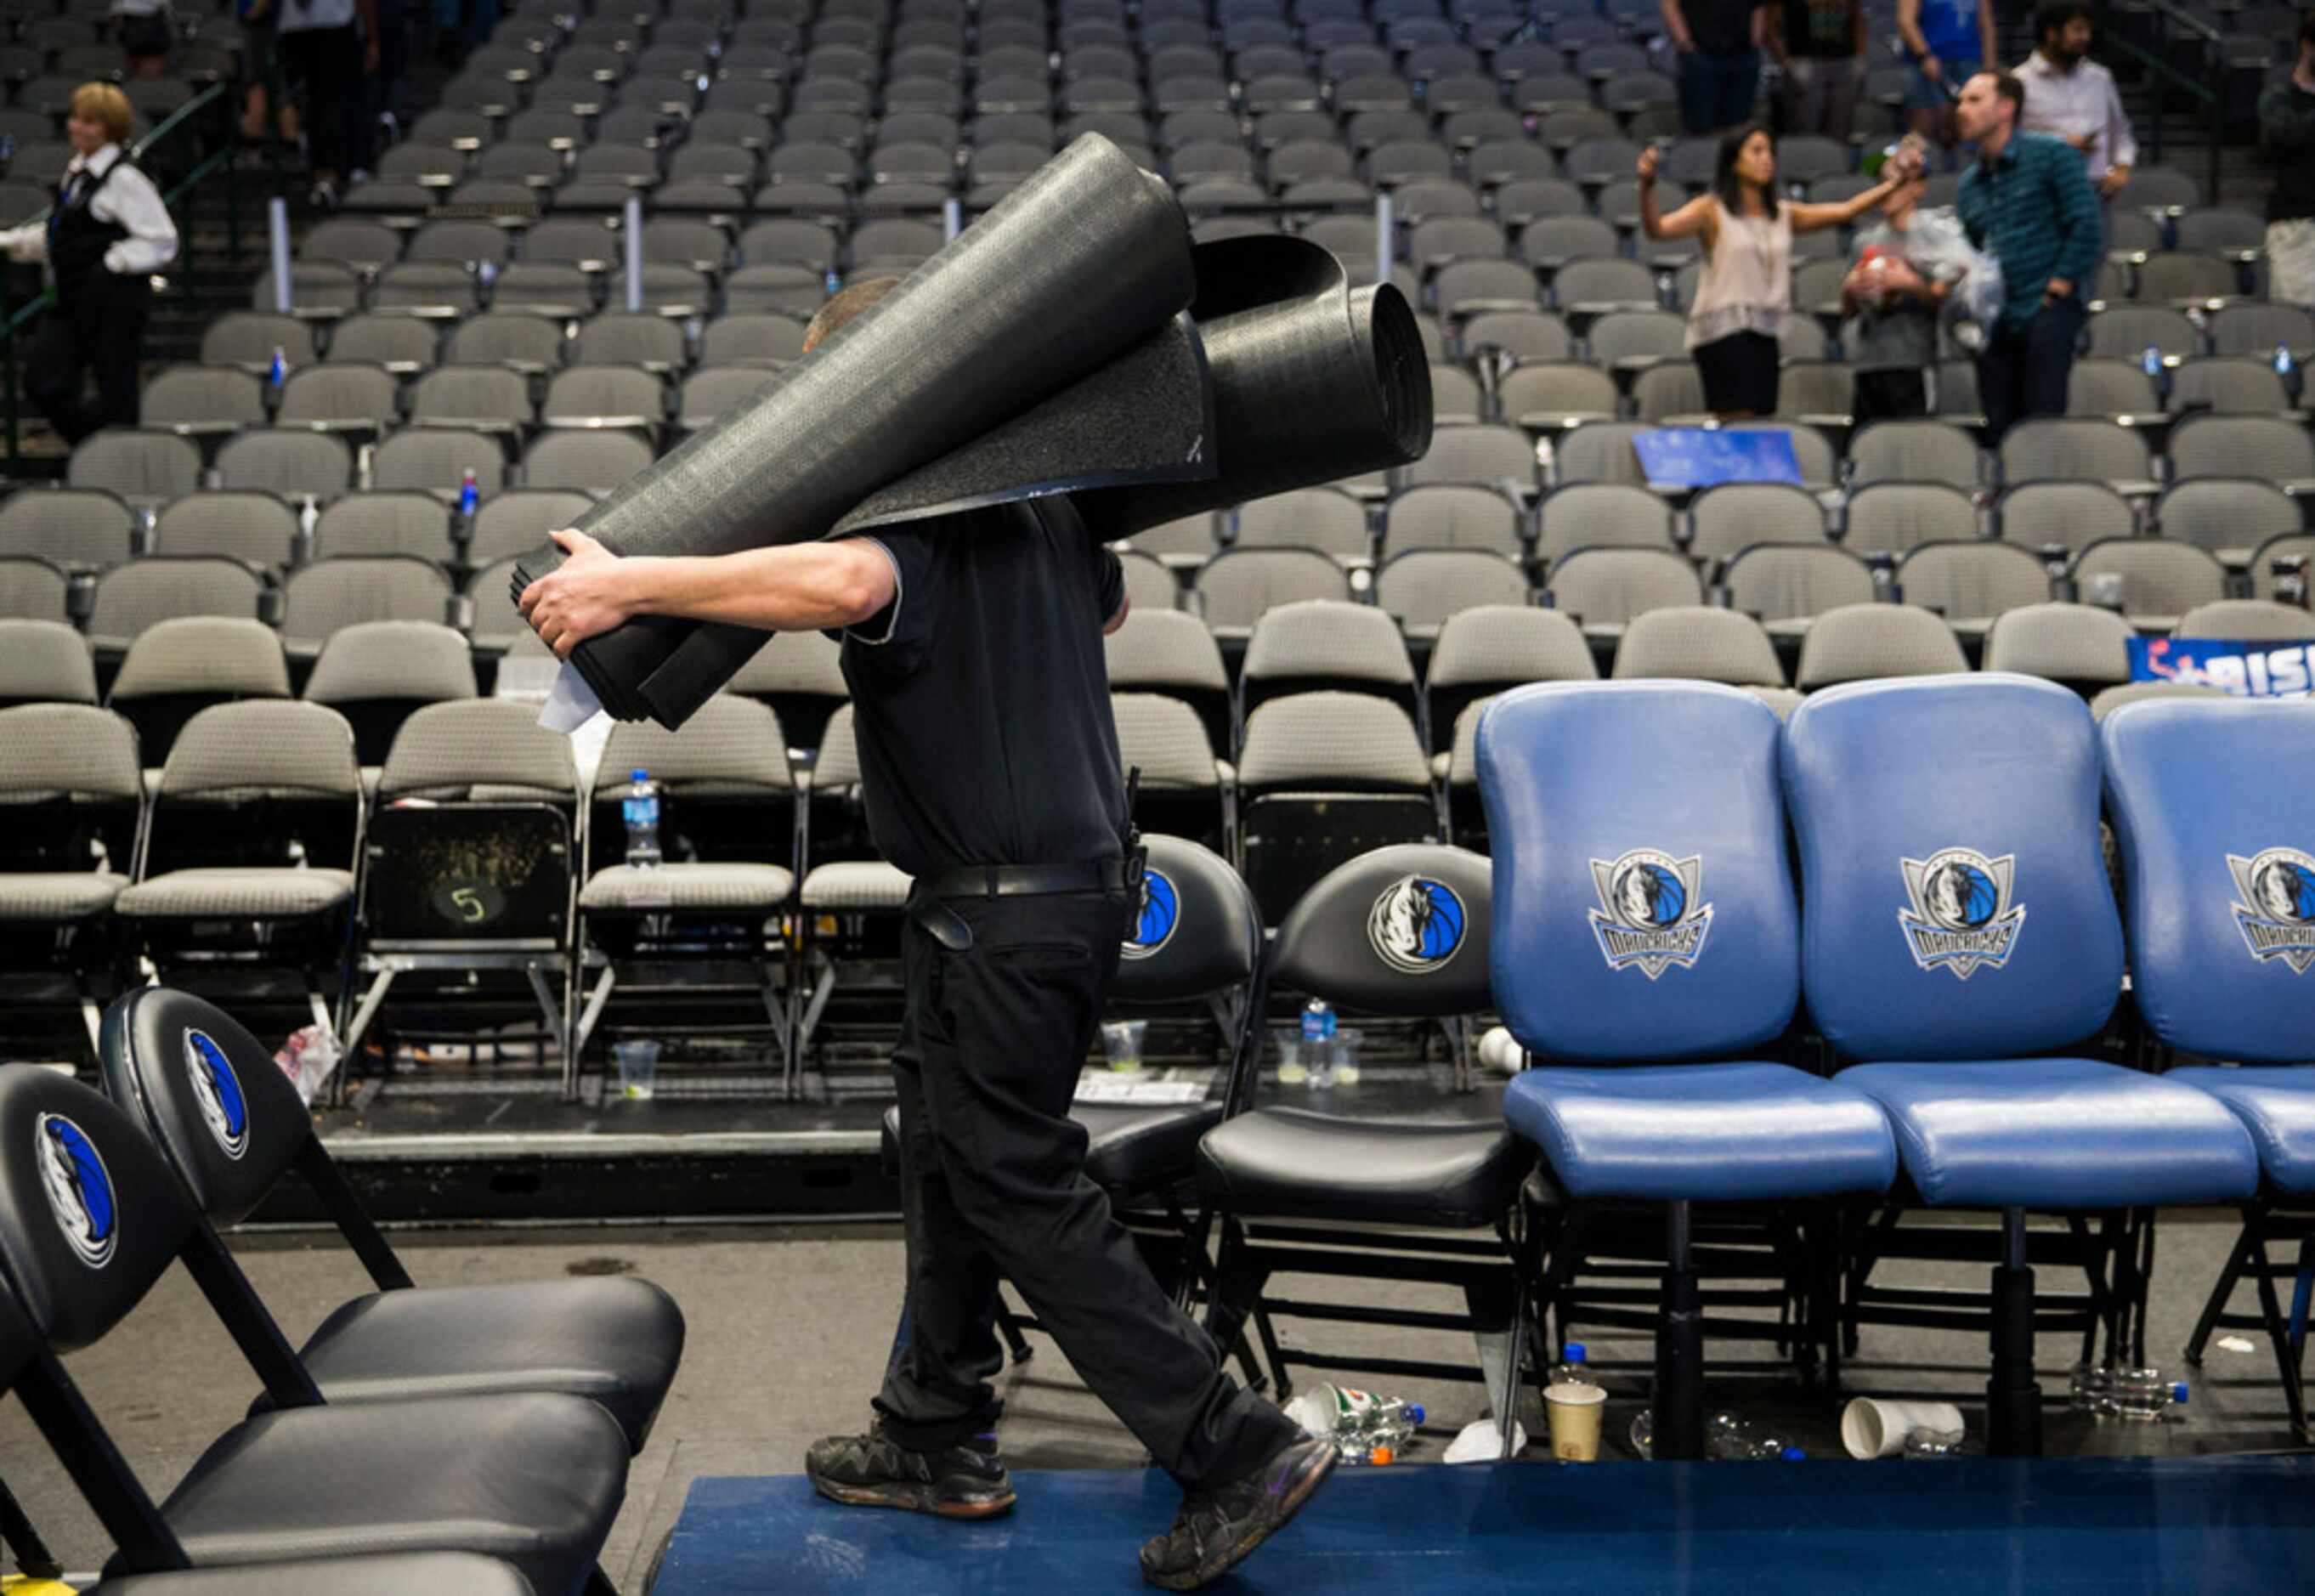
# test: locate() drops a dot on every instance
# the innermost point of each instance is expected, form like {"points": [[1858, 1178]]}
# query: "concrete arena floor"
{"points": [[789, 1327]]}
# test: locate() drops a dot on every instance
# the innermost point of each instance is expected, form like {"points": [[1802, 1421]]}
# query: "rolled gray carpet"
{"points": [[1282, 375]]}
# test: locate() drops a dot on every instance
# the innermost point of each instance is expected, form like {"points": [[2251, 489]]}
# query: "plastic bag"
{"points": [[1938, 246], [308, 1058]]}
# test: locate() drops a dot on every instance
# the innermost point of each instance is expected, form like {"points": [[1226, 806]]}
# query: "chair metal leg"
{"points": [[34, 1561], [2013, 1397], [1016, 1345], [1679, 1418], [2222, 1293]]}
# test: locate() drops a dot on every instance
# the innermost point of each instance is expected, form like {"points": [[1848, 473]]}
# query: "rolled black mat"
{"points": [[1088, 260], [1281, 376]]}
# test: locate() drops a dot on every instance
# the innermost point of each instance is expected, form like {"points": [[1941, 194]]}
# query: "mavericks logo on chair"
{"points": [[1961, 918], [217, 1090], [79, 1188], [1416, 925], [1652, 911], [2274, 905], [1161, 911]]}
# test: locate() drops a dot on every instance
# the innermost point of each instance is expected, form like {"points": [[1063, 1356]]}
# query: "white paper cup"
{"points": [[1575, 1412], [1872, 1428]]}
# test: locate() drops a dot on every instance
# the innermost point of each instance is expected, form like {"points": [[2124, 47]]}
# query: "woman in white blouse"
{"points": [[104, 236]]}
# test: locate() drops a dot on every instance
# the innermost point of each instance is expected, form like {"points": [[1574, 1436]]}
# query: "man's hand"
{"points": [[589, 594], [1932, 68], [2081, 142], [1644, 167], [2057, 289], [2116, 179]]}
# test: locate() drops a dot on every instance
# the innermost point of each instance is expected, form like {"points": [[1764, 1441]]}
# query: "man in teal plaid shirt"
{"points": [[2027, 202]]}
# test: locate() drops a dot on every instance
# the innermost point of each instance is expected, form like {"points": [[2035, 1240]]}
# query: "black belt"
{"points": [[1032, 880]]}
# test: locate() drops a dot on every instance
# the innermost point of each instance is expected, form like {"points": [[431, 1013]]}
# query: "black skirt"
{"points": [[1739, 373]]}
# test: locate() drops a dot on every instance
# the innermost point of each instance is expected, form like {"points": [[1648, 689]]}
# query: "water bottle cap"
{"points": [[1793, 1455], [2178, 1392], [1576, 1352], [641, 774], [1414, 1409]]}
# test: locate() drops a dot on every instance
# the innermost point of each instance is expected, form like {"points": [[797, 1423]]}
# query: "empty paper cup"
{"points": [[638, 1064], [1575, 1410], [1872, 1428]]}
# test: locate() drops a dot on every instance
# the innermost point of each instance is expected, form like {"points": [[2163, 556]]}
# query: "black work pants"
{"points": [[993, 1184], [2023, 371], [329, 62], [97, 326]]}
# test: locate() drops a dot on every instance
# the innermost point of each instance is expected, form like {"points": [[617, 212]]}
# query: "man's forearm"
{"points": [[803, 587]]}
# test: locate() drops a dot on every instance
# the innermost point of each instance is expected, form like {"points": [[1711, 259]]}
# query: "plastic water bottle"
{"points": [[1644, 1432], [642, 811], [470, 492], [279, 370], [1319, 1040], [2144, 1395], [1365, 1428], [2283, 362], [1729, 1438], [2152, 360], [1571, 1369]]}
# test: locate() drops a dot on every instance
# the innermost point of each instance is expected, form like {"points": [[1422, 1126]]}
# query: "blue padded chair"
{"points": [[1959, 935], [2213, 805], [1645, 919], [1400, 931]]}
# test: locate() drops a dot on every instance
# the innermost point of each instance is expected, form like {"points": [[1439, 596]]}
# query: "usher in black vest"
{"points": [[77, 239]]}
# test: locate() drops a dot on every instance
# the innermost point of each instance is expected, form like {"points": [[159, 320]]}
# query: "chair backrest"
{"points": [[1423, 589], [2079, 644], [1630, 823], [216, 656], [226, 1116], [2247, 620], [2265, 446], [1326, 642], [1737, 516], [2158, 577], [1859, 641], [1402, 930], [1780, 582], [1972, 579], [1341, 741], [44, 662], [1601, 515], [1198, 932], [2216, 512], [1699, 643], [1892, 517], [2208, 801], [71, 525], [486, 743], [1915, 451], [1954, 901], [89, 1216]]}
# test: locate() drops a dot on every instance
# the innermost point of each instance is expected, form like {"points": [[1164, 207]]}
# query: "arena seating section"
{"points": [[285, 524]]}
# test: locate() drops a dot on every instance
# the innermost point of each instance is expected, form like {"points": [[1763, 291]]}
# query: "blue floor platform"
{"points": [[1964, 1527]]}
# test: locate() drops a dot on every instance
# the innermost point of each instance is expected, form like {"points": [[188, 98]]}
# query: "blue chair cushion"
{"points": [[2058, 1134], [1290, 1163], [1710, 1132], [2209, 800], [1643, 898], [2278, 1105]]}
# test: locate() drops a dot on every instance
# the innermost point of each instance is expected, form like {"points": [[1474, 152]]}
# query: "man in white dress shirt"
{"points": [[104, 236], [2072, 97]]}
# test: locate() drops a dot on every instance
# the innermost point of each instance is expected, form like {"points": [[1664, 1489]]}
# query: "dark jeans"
{"points": [[98, 327], [1890, 394], [2023, 371], [1718, 92], [329, 62], [993, 1184]]}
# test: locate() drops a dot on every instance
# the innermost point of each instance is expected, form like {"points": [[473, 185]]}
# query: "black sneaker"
{"points": [[873, 1471], [1218, 1526]]}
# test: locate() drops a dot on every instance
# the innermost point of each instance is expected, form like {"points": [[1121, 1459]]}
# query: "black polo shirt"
{"points": [[981, 693]]}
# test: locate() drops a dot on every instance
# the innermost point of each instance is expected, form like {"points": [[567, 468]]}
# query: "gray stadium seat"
{"points": [[248, 338], [1324, 776], [1735, 516], [607, 396], [1858, 642], [1331, 643], [1667, 390], [2079, 644], [1481, 651], [83, 527], [2161, 580], [2065, 450], [133, 597], [357, 400], [140, 466], [1892, 517], [480, 398], [2228, 385], [1452, 516], [2248, 620], [44, 662], [253, 527], [1323, 518], [1601, 514], [385, 523], [513, 339], [2264, 446], [328, 595], [2070, 515], [621, 338], [1787, 585], [396, 342], [517, 522], [31, 589], [708, 393], [1972, 581], [2226, 515], [436, 459], [1234, 587], [376, 673], [1422, 588], [1603, 589], [1552, 397], [751, 339], [1699, 643], [179, 666], [292, 463], [596, 462]]}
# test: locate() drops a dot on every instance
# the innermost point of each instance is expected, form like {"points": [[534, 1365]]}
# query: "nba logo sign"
{"points": [[2274, 905]]}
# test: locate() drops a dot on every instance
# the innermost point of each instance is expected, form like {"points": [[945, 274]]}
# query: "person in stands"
{"points": [[1947, 41], [2286, 132], [2072, 97], [1820, 44]]}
